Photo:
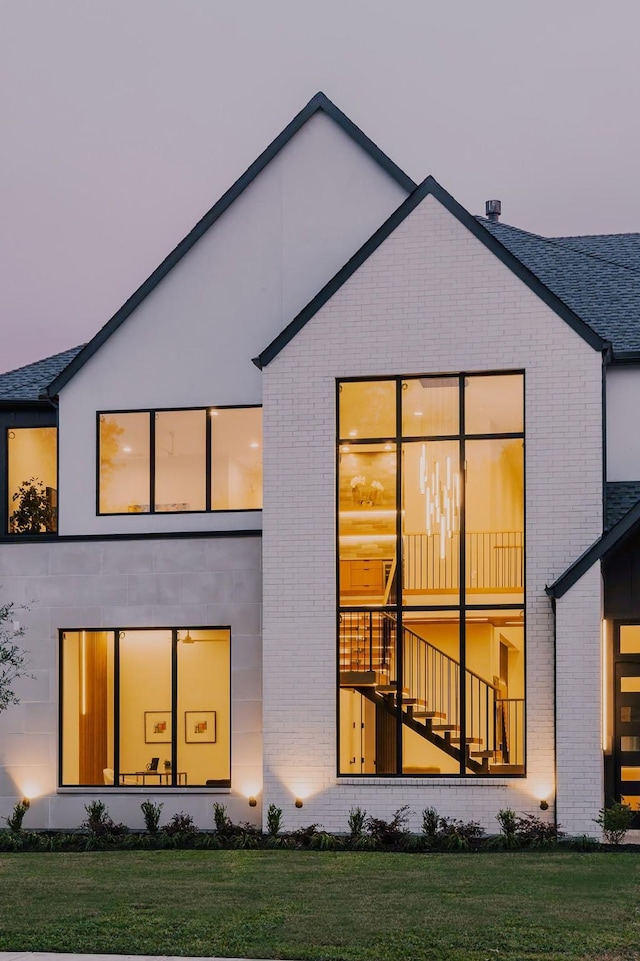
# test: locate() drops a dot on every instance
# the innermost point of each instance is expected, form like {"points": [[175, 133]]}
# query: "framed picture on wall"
{"points": [[157, 727], [200, 727]]}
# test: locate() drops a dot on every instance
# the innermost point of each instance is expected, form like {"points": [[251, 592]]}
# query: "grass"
{"points": [[305, 905]]}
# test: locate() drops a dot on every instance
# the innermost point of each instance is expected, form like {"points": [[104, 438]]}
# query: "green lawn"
{"points": [[287, 904]]}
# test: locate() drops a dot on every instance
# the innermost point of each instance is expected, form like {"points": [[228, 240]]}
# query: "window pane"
{"points": [[145, 704], [494, 521], [124, 463], [494, 691], [430, 406], [366, 522], [431, 698], [494, 405], [368, 409], [630, 685], [32, 493], [630, 743], [630, 638], [633, 801], [236, 459], [431, 501], [87, 707], [204, 708], [180, 455]]}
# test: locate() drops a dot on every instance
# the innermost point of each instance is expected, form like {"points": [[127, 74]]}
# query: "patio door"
{"points": [[627, 715]]}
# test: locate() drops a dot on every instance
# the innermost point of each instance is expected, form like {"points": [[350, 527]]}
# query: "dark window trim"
{"points": [[463, 608], [117, 632], [152, 459], [4, 478]]}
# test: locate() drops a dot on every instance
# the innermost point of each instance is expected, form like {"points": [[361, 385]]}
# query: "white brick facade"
{"points": [[431, 299]]}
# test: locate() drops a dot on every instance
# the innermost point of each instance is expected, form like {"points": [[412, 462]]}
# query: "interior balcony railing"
{"points": [[494, 561]]}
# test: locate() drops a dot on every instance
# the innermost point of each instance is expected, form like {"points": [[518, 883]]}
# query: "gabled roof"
{"points": [[28, 383], [598, 277], [318, 103], [611, 539], [476, 226]]}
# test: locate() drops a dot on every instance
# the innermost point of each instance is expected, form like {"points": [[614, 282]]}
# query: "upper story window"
{"points": [[32, 474], [171, 461]]}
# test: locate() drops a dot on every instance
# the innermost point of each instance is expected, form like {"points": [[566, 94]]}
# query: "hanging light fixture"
{"points": [[440, 486], [187, 639]]}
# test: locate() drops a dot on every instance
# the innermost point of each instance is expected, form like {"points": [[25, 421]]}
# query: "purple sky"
{"points": [[124, 120]]}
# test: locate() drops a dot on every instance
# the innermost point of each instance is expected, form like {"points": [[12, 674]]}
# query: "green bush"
{"points": [[15, 819], [615, 821]]}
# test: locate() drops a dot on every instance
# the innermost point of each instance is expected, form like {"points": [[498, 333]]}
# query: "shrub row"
{"points": [[365, 833]]}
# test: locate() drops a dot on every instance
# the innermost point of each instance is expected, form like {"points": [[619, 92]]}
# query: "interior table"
{"points": [[164, 778]]}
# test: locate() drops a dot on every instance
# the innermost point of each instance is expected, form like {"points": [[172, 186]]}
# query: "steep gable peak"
{"points": [[318, 103]]}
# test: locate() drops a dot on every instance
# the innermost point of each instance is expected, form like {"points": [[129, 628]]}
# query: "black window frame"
{"points": [[396, 607], [118, 632], [20, 417], [152, 456]]}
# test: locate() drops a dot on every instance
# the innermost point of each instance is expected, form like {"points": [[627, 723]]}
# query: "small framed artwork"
{"points": [[200, 727], [157, 727]]}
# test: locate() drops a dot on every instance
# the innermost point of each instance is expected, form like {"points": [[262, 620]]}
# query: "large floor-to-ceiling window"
{"points": [[147, 708], [431, 575]]}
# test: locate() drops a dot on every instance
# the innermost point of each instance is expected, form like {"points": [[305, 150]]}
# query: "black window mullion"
{"points": [[208, 464], [463, 582], [399, 579], [152, 461], [116, 706], [174, 706]]}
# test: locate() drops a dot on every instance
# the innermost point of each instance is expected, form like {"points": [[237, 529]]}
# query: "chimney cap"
{"points": [[493, 209]]}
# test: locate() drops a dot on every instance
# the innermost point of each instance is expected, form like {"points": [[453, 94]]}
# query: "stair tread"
{"points": [[469, 740], [481, 753], [429, 714], [445, 727]]}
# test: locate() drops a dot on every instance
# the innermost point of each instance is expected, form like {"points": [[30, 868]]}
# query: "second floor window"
{"points": [[32, 480], [171, 461]]}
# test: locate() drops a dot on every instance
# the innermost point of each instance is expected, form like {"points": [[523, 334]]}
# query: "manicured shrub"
{"points": [[274, 820], [15, 819], [151, 813], [615, 821]]}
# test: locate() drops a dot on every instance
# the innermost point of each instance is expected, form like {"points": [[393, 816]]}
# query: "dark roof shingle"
{"points": [[27, 383], [598, 277]]}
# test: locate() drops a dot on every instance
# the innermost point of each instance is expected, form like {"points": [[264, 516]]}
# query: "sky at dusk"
{"points": [[123, 121]]}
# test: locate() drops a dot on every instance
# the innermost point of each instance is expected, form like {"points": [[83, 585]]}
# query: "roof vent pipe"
{"points": [[492, 210]]}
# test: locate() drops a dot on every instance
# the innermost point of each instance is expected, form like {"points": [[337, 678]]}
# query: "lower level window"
{"points": [[146, 708]]}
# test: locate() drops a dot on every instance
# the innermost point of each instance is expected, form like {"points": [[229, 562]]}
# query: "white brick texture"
{"points": [[431, 299]]}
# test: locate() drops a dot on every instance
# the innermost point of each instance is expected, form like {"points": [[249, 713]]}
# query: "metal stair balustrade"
{"points": [[430, 695]]}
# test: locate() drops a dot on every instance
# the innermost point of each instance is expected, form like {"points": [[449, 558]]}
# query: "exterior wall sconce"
{"points": [[298, 802], [252, 802], [544, 805]]}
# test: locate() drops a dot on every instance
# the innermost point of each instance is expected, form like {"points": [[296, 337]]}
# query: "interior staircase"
{"points": [[428, 700]]}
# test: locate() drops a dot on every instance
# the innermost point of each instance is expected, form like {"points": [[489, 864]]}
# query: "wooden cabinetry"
{"points": [[362, 577]]}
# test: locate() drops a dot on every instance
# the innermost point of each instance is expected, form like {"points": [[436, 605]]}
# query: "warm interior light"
{"points": [[254, 443], [212, 412], [345, 449], [126, 450], [353, 433], [417, 413], [83, 693], [388, 446], [606, 739]]}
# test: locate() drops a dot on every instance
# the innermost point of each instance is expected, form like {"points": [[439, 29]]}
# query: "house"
{"points": [[340, 508]]}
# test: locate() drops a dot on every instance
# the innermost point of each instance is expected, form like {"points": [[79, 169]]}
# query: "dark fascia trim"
{"points": [[430, 187], [319, 102], [146, 536], [625, 357], [7, 403], [610, 540]]}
